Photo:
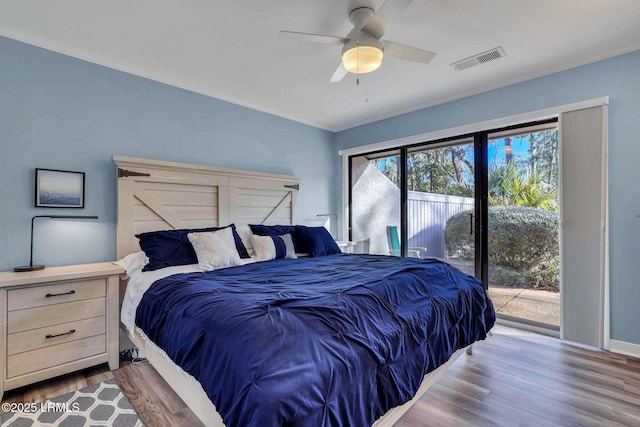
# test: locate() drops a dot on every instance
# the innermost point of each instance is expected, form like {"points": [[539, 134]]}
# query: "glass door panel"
{"points": [[375, 203], [523, 225], [440, 205]]}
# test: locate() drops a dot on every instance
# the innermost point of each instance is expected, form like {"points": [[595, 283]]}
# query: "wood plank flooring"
{"points": [[512, 379]]}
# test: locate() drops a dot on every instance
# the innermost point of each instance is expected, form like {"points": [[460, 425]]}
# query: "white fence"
{"points": [[427, 217], [376, 205]]}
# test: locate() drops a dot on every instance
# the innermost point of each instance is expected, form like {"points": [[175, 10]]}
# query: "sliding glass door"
{"points": [[440, 202], [523, 226], [486, 203]]}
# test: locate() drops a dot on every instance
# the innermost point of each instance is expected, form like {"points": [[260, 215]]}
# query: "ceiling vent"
{"points": [[480, 58]]}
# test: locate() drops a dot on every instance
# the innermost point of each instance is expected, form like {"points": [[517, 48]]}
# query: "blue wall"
{"points": [[57, 112], [619, 79]]}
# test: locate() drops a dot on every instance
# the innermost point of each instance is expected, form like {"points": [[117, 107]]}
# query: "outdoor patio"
{"points": [[531, 304], [536, 305]]}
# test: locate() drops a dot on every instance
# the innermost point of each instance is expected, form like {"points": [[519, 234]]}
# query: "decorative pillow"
{"points": [[215, 249], [172, 247], [245, 235], [278, 230], [316, 240], [274, 247]]}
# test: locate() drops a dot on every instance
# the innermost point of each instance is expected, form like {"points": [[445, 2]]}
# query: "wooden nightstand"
{"points": [[57, 320]]}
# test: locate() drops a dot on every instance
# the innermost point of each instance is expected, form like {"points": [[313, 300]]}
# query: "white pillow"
{"points": [[272, 247], [215, 249], [132, 263]]}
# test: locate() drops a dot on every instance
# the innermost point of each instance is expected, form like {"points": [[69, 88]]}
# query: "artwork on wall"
{"points": [[59, 189]]}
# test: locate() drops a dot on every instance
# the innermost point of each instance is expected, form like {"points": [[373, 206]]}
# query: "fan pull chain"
{"points": [[365, 88], [366, 92], [357, 64]]}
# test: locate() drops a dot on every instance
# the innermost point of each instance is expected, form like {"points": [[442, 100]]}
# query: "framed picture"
{"points": [[59, 189]]}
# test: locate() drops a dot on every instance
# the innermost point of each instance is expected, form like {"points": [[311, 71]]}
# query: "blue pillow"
{"points": [[317, 241], [279, 230], [169, 248]]}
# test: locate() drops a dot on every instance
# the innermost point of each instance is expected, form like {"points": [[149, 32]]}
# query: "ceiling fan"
{"points": [[363, 48]]}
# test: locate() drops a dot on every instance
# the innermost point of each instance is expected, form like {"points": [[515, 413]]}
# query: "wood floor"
{"points": [[512, 379]]}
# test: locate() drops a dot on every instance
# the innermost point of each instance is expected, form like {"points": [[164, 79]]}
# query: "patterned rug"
{"points": [[101, 404]]}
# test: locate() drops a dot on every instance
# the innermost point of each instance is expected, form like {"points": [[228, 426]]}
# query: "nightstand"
{"points": [[57, 320]]}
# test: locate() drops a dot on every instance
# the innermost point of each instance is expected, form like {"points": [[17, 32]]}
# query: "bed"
{"points": [[331, 339]]}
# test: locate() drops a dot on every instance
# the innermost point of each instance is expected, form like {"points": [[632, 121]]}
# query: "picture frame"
{"points": [[59, 189]]}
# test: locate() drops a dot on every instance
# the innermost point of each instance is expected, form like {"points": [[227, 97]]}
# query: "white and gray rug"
{"points": [[101, 404]]}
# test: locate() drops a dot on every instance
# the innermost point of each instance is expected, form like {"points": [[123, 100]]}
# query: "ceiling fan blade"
{"points": [[314, 38], [407, 53], [339, 74], [377, 25]]}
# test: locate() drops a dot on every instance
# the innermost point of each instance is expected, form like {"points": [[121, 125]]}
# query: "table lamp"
{"points": [[31, 266]]}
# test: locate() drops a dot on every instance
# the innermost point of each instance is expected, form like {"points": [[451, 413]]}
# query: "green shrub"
{"points": [[505, 276], [520, 238], [458, 241]]}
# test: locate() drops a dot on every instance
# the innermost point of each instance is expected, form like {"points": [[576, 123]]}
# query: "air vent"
{"points": [[480, 58]]}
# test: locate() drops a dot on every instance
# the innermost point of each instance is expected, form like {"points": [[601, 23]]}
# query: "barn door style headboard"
{"points": [[157, 195]]}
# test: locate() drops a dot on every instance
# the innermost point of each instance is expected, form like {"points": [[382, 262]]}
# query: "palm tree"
{"points": [[509, 186]]}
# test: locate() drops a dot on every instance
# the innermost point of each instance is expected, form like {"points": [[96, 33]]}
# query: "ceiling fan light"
{"points": [[362, 59]]}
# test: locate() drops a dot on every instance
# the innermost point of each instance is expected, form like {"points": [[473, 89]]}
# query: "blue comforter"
{"points": [[326, 341]]}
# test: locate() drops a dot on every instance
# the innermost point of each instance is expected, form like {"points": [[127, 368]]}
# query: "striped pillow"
{"points": [[274, 247]]}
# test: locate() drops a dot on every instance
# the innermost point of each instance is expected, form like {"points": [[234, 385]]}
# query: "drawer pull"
{"points": [[73, 331], [57, 295]]}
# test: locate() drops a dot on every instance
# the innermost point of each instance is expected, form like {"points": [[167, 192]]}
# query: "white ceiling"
{"points": [[231, 50]]}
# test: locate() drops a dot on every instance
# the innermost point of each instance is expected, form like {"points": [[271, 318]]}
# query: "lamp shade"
{"points": [[362, 59]]}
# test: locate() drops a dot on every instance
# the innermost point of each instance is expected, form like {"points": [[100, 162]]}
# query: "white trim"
{"points": [[345, 198], [626, 348], [545, 113], [603, 213]]}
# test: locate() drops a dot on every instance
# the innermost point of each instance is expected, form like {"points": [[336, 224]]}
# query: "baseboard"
{"points": [[622, 347]]}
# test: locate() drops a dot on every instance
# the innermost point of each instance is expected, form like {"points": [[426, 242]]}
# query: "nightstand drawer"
{"points": [[23, 363], [58, 334], [40, 317], [39, 296]]}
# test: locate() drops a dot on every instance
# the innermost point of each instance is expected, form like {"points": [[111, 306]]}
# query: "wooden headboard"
{"points": [[158, 195]]}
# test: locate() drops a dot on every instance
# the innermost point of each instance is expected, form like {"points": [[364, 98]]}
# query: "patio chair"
{"points": [[394, 244]]}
